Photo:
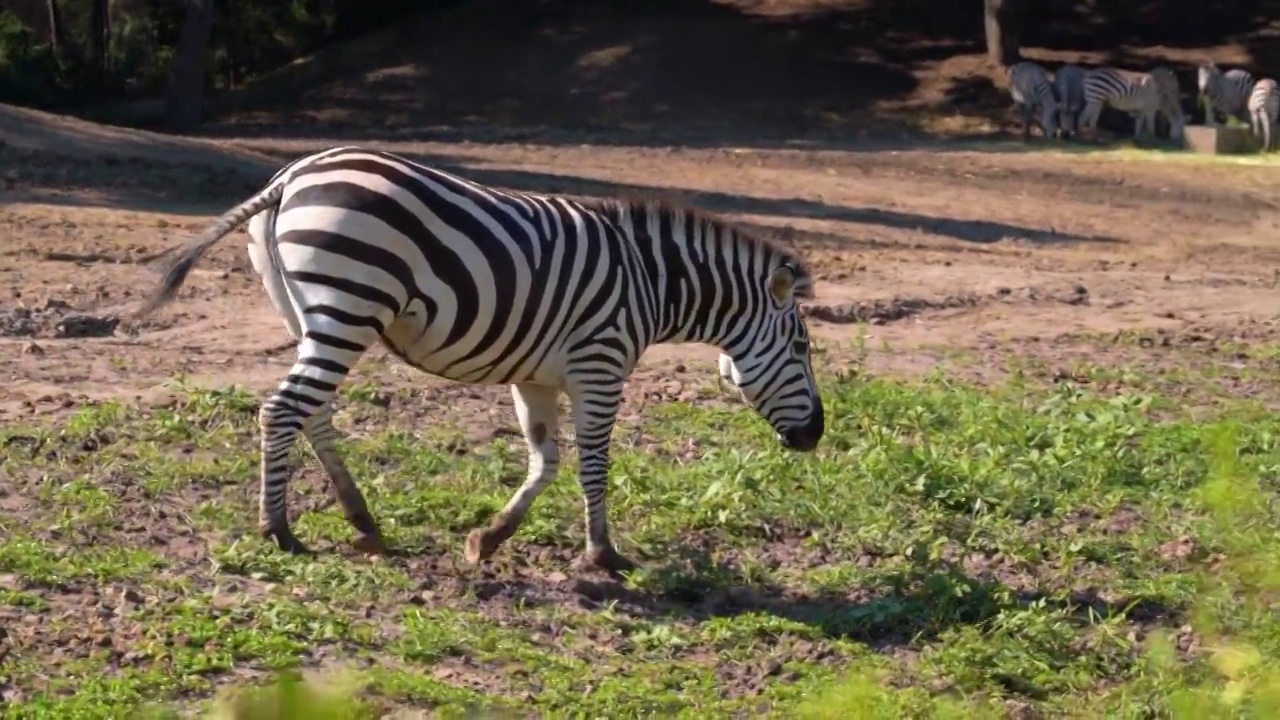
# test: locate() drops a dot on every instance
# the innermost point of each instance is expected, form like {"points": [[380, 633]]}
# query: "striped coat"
{"points": [[546, 293]]}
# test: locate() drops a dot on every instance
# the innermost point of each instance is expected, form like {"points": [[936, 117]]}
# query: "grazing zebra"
{"points": [[1030, 87], [1223, 92], [1170, 99], [547, 293], [1132, 92], [1264, 111], [1068, 84]]}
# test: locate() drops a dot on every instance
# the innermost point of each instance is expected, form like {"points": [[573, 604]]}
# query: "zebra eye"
{"points": [[800, 348]]}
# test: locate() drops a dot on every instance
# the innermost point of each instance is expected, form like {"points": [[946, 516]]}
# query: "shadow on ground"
{"points": [[910, 606], [175, 188]]}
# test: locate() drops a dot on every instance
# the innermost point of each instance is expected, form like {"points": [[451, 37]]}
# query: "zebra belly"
{"points": [[1133, 107], [413, 339]]}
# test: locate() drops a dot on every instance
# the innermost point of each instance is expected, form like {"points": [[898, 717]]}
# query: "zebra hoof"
{"points": [[482, 543], [607, 559], [285, 540], [369, 544]]}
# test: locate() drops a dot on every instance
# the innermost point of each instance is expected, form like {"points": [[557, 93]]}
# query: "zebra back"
{"points": [[1124, 90]]}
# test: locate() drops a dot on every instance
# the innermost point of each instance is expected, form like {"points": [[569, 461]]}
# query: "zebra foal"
{"points": [[1031, 90], [546, 293]]}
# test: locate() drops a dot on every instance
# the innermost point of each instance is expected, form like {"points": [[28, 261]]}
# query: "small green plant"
{"points": [[292, 697]]}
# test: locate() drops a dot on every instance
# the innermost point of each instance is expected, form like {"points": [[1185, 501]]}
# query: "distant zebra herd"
{"points": [[1070, 103]]}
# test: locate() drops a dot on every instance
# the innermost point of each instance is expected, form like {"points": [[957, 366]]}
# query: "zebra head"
{"points": [[771, 366]]}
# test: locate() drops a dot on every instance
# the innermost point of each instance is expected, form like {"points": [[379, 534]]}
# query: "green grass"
{"points": [[951, 551]]}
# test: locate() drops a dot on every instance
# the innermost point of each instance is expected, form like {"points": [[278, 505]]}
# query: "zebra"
{"points": [[1138, 94], [546, 293], [1170, 99], [1030, 87], [1068, 85], [1264, 110], [1222, 92]]}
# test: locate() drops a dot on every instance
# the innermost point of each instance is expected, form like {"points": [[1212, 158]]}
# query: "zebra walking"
{"points": [[546, 293], [1264, 111], [1030, 88], [1223, 92], [1132, 92], [1068, 85]]}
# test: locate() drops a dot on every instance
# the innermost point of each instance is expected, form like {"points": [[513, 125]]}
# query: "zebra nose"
{"points": [[805, 438]]}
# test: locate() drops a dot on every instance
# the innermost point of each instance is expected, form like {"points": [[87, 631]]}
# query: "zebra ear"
{"points": [[782, 283]]}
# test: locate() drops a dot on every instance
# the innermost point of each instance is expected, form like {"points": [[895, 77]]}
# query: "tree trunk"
{"points": [[1003, 46], [55, 26], [184, 99], [98, 40]]}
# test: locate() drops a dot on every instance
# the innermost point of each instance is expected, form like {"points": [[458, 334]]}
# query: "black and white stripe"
{"points": [[1264, 111], [549, 294], [1223, 92], [1031, 89], [1135, 93], [1170, 99], [1068, 85]]}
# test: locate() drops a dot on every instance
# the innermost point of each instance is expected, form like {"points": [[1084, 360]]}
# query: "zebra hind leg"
{"points": [[538, 412], [324, 359], [321, 435], [594, 412]]}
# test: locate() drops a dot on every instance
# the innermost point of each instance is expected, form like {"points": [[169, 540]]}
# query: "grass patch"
{"points": [[952, 551]]}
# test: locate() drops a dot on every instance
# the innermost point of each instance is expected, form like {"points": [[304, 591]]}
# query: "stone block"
{"points": [[1220, 140]]}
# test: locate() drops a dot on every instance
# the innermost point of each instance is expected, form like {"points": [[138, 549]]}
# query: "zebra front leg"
{"points": [[538, 411], [324, 359], [1144, 119], [321, 434], [594, 412], [1087, 125]]}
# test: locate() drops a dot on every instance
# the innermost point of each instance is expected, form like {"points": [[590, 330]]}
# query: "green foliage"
{"points": [[249, 37], [27, 66]]}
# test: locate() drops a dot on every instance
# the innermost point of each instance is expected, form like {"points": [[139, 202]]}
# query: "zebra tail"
{"points": [[177, 273]]}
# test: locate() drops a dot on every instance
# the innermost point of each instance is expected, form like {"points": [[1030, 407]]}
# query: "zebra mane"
{"points": [[648, 204]]}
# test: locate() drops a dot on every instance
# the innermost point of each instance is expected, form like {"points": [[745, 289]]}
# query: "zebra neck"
{"points": [[696, 271], [690, 310]]}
